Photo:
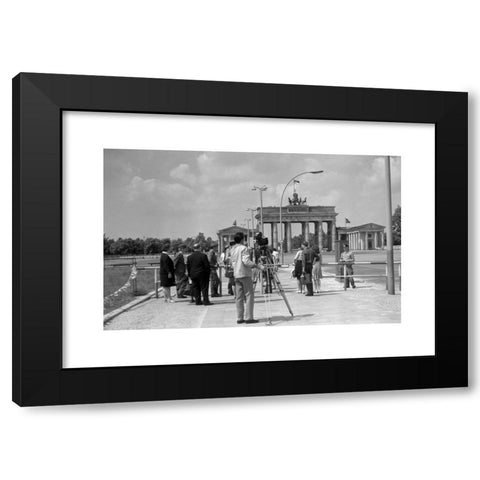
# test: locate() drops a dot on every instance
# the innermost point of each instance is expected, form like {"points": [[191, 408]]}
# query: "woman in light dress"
{"points": [[317, 271], [298, 269]]}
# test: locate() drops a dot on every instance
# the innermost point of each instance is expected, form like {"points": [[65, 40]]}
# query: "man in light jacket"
{"points": [[242, 268]]}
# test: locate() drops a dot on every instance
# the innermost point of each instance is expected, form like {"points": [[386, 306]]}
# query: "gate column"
{"points": [[288, 234], [274, 235]]}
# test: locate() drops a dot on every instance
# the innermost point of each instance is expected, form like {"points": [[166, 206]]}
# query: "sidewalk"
{"points": [[368, 303]]}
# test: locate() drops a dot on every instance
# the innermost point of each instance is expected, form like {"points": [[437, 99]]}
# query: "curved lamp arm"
{"points": [[314, 172]]}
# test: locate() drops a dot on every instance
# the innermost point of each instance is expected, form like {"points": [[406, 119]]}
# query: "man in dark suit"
{"points": [[198, 268]]}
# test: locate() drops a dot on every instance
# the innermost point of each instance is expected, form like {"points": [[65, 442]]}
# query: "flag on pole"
{"points": [[347, 220], [235, 222]]}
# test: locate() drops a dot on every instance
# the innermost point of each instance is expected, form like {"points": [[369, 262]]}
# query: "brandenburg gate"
{"points": [[299, 212]]}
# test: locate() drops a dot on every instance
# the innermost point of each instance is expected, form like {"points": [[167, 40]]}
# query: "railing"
{"points": [[156, 280], [156, 270], [344, 265]]}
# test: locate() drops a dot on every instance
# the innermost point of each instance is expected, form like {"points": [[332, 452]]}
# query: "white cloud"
{"points": [[184, 174], [152, 190], [216, 170]]}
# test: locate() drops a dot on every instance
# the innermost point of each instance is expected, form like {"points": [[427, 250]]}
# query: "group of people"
{"points": [[307, 270], [191, 276], [194, 275], [199, 270]]}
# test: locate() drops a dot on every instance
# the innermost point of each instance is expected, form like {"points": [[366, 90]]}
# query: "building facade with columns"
{"points": [[369, 236], [311, 218], [225, 235]]}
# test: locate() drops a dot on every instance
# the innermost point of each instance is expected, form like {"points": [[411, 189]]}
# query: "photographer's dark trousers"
{"points": [[244, 298], [309, 279], [200, 289]]}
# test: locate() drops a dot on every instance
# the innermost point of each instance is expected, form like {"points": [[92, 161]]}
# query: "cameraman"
{"points": [[242, 270], [263, 254]]}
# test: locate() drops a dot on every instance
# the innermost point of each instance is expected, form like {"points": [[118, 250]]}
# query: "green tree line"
{"points": [[151, 245], [397, 226]]}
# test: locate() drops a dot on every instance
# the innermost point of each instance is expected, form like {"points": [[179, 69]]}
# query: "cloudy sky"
{"points": [[180, 193]]}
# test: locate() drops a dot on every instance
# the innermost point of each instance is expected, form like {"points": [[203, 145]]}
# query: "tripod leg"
{"points": [[281, 291]]}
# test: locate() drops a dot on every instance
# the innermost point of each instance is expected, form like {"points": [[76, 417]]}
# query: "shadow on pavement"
{"points": [[277, 320], [329, 292]]}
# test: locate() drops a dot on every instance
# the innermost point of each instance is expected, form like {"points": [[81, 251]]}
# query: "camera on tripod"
{"points": [[261, 245], [260, 240]]}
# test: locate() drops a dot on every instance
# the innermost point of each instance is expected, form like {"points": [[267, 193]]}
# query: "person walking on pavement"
{"points": [[198, 269], [214, 280], [181, 278], [242, 270], [348, 259], [297, 269], [317, 271], [307, 267], [227, 263], [167, 273]]}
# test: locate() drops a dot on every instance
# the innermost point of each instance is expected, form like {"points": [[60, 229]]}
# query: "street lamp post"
{"points": [[248, 231], [390, 264], [251, 210], [261, 189], [314, 172]]}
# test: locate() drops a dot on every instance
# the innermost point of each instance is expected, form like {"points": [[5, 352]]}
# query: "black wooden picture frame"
{"points": [[38, 103]]}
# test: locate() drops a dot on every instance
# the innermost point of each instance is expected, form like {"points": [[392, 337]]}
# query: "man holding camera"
{"points": [[242, 269]]}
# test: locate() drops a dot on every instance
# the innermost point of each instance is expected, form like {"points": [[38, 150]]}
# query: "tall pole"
{"points": [[248, 231], [261, 210], [261, 189], [281, 203], [390, 264], [251, 210]]}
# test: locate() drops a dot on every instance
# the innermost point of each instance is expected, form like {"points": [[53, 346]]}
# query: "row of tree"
{"points": [[397, 226], [150, 245], [153, 246]]}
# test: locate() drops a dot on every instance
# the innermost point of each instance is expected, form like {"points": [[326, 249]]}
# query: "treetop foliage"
{"points": [[152, 246]]}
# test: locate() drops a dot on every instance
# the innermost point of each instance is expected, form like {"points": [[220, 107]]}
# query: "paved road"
{"points": [[368, 303]]}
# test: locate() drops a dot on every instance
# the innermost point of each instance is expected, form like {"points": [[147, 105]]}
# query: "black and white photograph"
{"points": [[258, 309], [212, 239]]}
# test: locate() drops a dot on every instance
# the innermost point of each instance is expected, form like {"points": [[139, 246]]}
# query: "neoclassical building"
{"points": [[311, 219], [225, 235], [369, 236]]}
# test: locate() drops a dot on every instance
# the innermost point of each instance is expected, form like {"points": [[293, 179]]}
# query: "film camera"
{"points": [[261, 246], [263, 256], [260, 240]]}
